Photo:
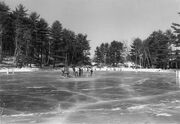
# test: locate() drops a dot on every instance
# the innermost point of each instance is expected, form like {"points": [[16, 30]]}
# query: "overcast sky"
{"points": [[107, 20]]}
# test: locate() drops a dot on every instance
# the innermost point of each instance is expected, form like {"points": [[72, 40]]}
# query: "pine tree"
{"points": [[20, 27], [106, 54], [97, 56], [82, 49], [176, 43], [136, 50], [57, 44], [4, 14], [33, 55], [42, 41], [109, 54], [116, 49]]}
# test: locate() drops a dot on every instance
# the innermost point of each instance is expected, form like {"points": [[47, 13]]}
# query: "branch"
{"points": [[175, 24]]}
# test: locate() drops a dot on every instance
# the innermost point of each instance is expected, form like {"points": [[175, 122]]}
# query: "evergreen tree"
{"points": [[97, 56], [57, 42], [34, 19], [30, 40], [69, 38], [158, 48], [116, 49], [136, 50], [171, 53], [102, 54], [107, 54], [42, 41], [176, 43], [4, 14], [20, 28], [8, 36], [82, 49]]}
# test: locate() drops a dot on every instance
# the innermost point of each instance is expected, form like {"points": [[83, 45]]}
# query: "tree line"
{"points": [[109, 53], [30, 40], [159, 50]]}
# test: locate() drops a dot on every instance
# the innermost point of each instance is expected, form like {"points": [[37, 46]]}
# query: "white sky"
{"points": [[107, 20]]}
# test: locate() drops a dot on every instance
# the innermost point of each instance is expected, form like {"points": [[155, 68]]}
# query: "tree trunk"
{"points": [[176, 65], [48, 54], [41, 56], [27, 52], [16, 50], [0, 45], [54, 61]]}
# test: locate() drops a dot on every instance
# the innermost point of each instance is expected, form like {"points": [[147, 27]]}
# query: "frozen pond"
{"points": [[105, 98]]}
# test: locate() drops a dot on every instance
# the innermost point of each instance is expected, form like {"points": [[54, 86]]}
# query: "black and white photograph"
{"points": [[89, 61]]}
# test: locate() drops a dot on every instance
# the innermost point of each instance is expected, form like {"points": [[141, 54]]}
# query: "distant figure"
{"points": [[62, 72], [74, 71], [91, 71], [79, 72], [87, 69], [66, 71]]}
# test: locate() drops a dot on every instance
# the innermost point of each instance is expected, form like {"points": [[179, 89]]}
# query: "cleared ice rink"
{"points": [[106, 98]]}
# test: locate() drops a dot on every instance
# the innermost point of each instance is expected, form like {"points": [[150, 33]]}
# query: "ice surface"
{"points": [[105, 98]]}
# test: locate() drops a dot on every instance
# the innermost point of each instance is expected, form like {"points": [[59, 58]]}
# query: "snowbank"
{"points": [[12, 70], [130, 69]]}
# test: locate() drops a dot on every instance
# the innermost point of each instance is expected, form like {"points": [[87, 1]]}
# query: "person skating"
{"points": [[91, 71], [79, 72], [74, 71]]}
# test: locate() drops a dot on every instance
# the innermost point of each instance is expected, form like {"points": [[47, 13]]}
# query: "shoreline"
{"points": [[12, 70], [28, 69], [134, 70]]}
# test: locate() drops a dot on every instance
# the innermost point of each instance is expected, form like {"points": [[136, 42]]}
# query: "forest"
{"points": [[29, 39], [159, 50]]}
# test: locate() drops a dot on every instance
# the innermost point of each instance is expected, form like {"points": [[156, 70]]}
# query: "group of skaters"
{"points": [[77, 72]]}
